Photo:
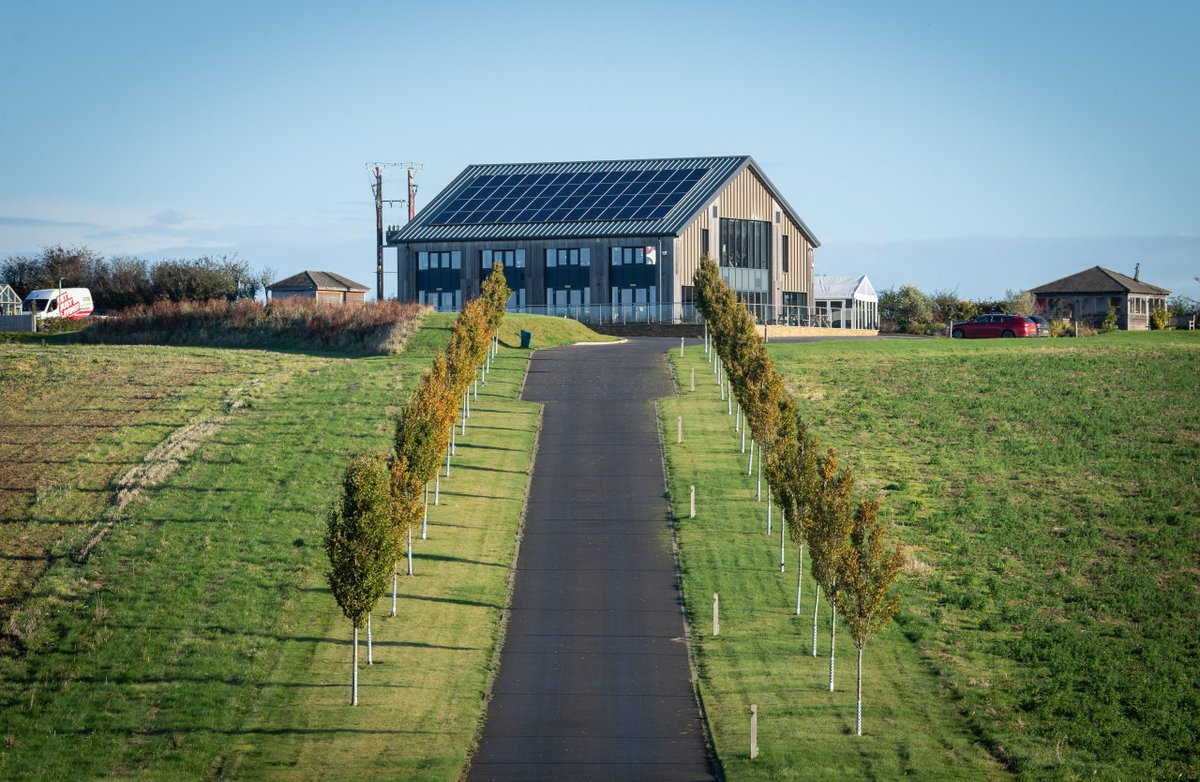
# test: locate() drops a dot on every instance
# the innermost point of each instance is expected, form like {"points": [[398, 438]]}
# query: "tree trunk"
{"points": [[758, 488], [782, 538], [743, 438], [799, 577], [858, 708], [448, 458], [464, 414], [816, 605], [768, 509], [425, 514], [394, 580], [832, 632], [750, 463], [354, 674], [437, 484], [370, 650], [410, 551]]}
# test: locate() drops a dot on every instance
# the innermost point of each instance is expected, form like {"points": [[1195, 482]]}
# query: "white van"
{"points": [[74, 303]]}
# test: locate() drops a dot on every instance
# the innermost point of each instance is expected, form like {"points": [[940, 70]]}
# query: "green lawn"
{"points": [[199, 639], [1046, 495]]}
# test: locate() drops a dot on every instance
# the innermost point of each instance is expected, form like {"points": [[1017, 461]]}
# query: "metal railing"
{"points": [[687, 314]]}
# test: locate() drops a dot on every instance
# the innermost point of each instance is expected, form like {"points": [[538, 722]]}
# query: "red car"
{"points": [[995, 324]]}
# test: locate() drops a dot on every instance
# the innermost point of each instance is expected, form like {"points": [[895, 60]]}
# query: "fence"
{"points": [[17, 322], [686, 314]]}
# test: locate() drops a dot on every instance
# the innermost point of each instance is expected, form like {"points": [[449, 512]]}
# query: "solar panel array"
{"points": [[568, 197]]}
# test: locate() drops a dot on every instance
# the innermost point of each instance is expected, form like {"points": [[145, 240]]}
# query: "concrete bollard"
{"points": [[716, 618], [681, 347], [679, 430], [693, 513], [753, 731]]}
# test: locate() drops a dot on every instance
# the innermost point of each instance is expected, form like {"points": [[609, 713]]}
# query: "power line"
{"points": [[375, 175]]}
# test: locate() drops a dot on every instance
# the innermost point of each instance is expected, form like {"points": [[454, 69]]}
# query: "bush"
{"points": [[304, 324], [1159, 319], [1110, 321], [60, 325]]}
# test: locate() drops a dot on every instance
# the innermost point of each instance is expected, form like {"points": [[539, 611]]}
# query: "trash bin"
{"points": [[526, 338]]}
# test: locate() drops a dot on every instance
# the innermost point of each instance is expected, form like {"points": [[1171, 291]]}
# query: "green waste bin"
{"points": [[526, 338]]}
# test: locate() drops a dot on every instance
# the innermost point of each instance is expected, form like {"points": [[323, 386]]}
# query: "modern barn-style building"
{"points": [[617, 239]]}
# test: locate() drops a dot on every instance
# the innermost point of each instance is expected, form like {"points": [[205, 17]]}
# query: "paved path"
{"points": [[594, 680]]}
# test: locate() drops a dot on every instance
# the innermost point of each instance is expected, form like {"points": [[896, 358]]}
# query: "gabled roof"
{"points": [[838, 286], [606, 198], [322, 281], [1099, 280]]}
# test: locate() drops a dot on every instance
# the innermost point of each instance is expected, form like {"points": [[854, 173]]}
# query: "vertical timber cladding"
{"points": [[535, 264], [747, 198]]}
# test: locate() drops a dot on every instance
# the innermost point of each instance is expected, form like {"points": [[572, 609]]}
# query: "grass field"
{"points": [[199, 639], [1046, 493]]}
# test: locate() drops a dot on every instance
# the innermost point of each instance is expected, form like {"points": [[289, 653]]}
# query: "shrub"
{"points": [[1110, 321], [1159, 319], [304, 324]]}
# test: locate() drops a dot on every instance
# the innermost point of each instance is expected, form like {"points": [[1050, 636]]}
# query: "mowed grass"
{"points": [[1046, 493], [763, 653], [200, 639]]}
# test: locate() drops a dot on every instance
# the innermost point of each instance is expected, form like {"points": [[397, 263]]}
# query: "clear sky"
{"points": [[955, 145]]}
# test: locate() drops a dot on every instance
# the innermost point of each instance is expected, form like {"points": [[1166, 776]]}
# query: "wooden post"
{"points": [[753, 731], [679, 430], [693, 378], [716, 619], [681, 347], [693, 515]]}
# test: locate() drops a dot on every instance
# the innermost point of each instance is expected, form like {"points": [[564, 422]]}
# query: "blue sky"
{"points": [[953, 145]]}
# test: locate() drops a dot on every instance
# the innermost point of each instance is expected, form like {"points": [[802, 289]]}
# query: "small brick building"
{"points": [[322, 286]]}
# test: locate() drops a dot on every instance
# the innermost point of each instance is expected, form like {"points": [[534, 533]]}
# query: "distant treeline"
{"points": [[125, 281]]}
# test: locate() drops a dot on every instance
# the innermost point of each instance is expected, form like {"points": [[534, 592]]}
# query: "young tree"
{"points": [[404, 510], [798, 494], [868, 571], [494, 292], [422, 428], [827, 532], [359, 544]]}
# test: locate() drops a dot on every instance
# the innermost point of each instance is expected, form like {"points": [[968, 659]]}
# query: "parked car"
{"points": [[1043, 325], [994, 324]]}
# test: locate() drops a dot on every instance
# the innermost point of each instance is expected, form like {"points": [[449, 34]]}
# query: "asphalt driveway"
{"points": [[594, 680]]}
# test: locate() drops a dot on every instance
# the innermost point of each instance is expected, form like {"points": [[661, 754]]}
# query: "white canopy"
{"points": [[840, 286]]}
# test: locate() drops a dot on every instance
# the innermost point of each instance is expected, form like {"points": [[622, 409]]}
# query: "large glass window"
{"points": [[703, 242], [513, 262], [568, 277], [633, 275], [745, 244], [439, 279]]}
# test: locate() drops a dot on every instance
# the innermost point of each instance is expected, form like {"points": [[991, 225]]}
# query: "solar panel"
{"points": [[568, 197]]}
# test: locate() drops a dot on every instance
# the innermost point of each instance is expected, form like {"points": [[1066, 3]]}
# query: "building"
{"points": [[618, 239], [844, 302], [10, 302], [322, 286], [1087, 296]]}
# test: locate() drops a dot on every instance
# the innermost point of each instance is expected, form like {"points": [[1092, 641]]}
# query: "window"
{"points": [[714, 211], [703, 241], [633, 276], [568, 277], [439, 279], [513, 262], [778, 215], [745, 244], [783, 252]]}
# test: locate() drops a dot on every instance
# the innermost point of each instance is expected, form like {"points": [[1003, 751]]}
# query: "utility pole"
{"points": [[378, 189], [375, 172]]}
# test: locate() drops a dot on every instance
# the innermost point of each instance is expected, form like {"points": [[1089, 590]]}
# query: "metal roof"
{"points": [[1099, 280], [718, 173]]}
